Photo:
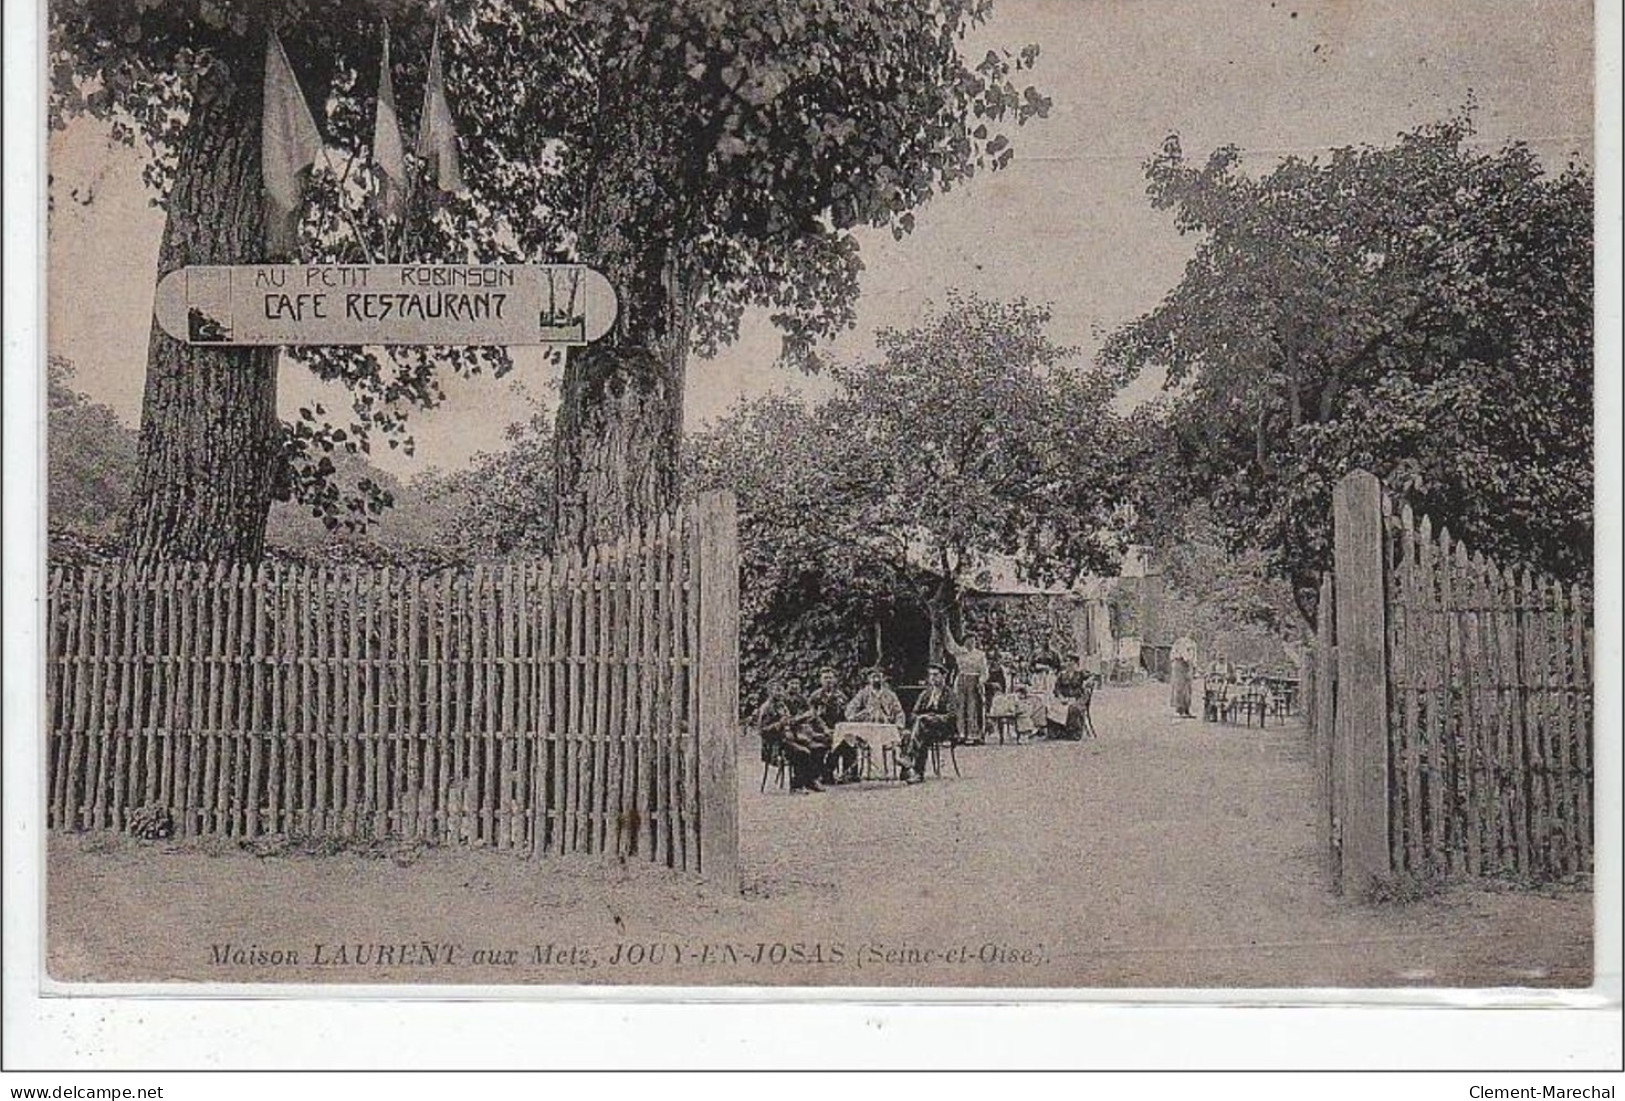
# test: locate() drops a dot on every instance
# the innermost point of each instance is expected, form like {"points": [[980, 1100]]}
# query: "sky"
{"points": [[1068, 223]]}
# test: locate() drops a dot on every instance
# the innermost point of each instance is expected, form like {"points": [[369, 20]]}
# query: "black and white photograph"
{"points": [[1017, 495]]}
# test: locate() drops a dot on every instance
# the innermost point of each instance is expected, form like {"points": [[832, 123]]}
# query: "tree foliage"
{"points": [[1233, 602], [91, 458], [980, 438], [500, 505], [766, 133], [971, 436], [710, 154], [1422, 310], [1029, 628], [812, 585]]}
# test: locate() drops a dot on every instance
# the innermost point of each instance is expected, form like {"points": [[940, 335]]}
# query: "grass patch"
{"points": [[1402, 889], [400, 852], [102, 843]]}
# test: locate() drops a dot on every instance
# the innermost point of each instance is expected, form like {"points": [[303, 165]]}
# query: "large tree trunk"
{"points": [[945, 616], [618, 445], [620, 423], [1306, 597], [210, 439]]}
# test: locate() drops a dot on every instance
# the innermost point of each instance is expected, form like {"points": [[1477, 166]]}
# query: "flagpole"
{"points": [[385, 177], [294, 136], [349, 163], [344, 212], [403, 236], [408, 208], [417, 169], [415, 175], [437, 135]]}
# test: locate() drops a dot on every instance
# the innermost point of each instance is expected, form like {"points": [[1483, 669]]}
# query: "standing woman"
{"points": [[971, 664], [1181, 667]]}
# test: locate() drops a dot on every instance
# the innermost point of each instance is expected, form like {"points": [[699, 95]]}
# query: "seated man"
{"points": [[829, 702], [935, 722], [785, 721], [875, 702]]}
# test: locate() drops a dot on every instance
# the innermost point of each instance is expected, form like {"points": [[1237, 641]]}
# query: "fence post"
{"points": [[718, 713], [1360, 738], [1324, 720]]}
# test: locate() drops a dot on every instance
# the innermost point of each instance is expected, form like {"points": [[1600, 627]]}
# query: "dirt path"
{"points": [[1167, 853]]}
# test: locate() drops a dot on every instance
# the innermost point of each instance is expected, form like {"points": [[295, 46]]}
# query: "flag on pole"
{"points": [[388, 150], [437, 134], [289, 146]]}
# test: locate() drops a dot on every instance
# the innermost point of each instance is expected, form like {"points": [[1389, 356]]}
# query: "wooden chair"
{"points": [[1266, 702], [892, 767], [866, 761], [1279, 705], [773, 760], [1221, 702], [1086, 700], [1247, 704], [1006, 725]]}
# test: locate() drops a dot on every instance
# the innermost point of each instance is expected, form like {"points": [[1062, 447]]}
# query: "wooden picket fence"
{"points": [[1489, 711], [1453, 710], [578, 704]]}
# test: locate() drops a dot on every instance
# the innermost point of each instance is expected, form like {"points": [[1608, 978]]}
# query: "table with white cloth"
{"points": [[874, 736]]}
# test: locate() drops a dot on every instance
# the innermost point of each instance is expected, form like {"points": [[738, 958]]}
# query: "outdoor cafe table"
{"points": [[1057, 709], [873, 735], [1288, 688]]}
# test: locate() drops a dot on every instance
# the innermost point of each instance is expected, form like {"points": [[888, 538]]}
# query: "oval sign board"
{"points": [[386, 304]]}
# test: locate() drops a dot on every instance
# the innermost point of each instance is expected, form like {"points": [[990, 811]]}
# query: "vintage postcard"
{"points": [[1041, 494]]}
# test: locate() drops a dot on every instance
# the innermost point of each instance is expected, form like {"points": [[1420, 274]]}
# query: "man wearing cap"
{"points": [[934, 723], [830, 703]]}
